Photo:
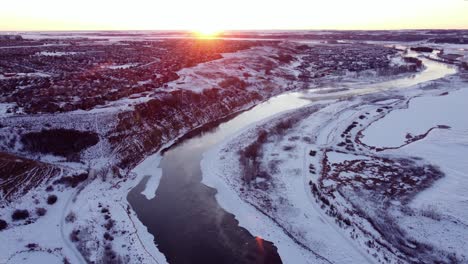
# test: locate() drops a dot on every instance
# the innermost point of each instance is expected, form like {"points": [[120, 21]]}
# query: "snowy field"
{"points": [[422, 114]]}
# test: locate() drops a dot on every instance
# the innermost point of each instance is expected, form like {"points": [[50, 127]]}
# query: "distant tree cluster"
{"points": [[422, 49], [61, 142]]}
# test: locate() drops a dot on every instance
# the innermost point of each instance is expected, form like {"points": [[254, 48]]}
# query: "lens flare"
{"points": [[260, 243]]}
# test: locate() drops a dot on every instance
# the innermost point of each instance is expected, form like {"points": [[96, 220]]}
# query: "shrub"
{"points": [[74, 235], [284, 58], [52, 199], [3, 224], [324, 200], [110, 224], [288, 148], [262, 136], [72, 181], [19, 214], [249, 160], [412, 60], [284, 125], [41, 211], [32, 245], [252, 150], [108, 236], [464, 65], [70, 218], [431, 212], [347, 221]]}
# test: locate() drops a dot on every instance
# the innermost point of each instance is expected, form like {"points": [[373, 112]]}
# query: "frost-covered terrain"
{"points": [[380, 177]]}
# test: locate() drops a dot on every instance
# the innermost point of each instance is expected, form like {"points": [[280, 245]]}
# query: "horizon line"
{"points": [[227, 30]]}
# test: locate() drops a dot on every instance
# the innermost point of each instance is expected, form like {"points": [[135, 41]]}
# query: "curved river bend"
{"points": [[188, 224]]}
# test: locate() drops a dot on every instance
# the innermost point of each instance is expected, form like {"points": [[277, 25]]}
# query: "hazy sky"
{"points": [[233, 14]]}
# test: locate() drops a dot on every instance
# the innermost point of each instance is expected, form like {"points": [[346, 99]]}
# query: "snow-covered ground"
{"points": [[45, 232], [94, 208], [443, 205], [29, 74], [422, 114], [6, 109], [280, 206], [55, 53], [122, 66]]}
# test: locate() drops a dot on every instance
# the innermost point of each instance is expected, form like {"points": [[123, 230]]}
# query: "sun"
{"points": [[207, 32]]}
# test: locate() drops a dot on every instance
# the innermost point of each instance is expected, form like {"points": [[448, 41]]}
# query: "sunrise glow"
{"points": [[246, 131], [210, 16], [207, 32]]}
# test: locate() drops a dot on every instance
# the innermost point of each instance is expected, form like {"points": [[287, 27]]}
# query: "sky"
{"points": [[21, 15]]}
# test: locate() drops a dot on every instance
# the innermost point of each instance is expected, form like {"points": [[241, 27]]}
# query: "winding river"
{"points": [[188, 224]]}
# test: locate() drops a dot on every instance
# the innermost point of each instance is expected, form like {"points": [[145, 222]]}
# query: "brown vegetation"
{"points": [[20, 175]]}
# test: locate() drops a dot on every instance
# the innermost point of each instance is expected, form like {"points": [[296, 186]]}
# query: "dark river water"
{"points": [[188, 224]]}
